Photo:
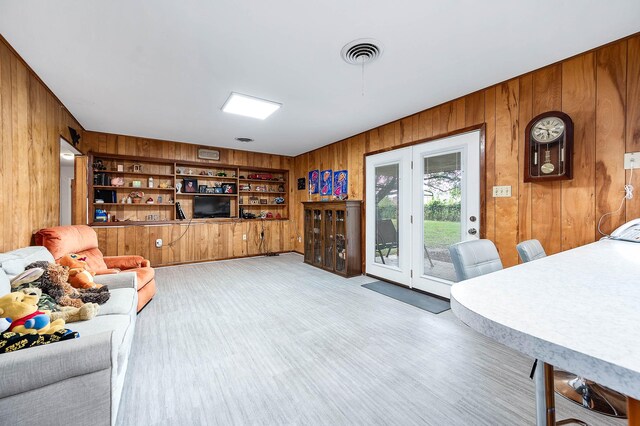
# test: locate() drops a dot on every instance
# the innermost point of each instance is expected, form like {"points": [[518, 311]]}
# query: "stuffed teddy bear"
{"points": [[22, 308], [80, 276], [54, 283], [70, 314]]}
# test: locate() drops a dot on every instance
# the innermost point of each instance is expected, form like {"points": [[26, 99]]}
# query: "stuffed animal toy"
{"points": [[67, 313], [54, 283], [80, 276], [70, 314], [22, 308]]}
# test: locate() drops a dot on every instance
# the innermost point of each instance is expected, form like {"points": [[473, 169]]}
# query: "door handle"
{"points": [[472, 231]]}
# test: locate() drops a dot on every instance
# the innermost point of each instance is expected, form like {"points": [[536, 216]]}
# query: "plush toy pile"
{"points": [[44, 299]]}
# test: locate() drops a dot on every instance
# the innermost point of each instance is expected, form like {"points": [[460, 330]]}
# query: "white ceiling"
{"points": [[162, 69]]}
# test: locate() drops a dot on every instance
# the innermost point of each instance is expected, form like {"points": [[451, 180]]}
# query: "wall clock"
{"points": [[549, 147]]}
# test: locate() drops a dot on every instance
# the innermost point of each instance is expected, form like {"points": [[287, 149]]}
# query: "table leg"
{"points": [[633, 412], [545, 399]]}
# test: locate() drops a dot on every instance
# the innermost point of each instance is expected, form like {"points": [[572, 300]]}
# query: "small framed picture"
{"points": [[202, 189], [189, 185], [264, 201]]}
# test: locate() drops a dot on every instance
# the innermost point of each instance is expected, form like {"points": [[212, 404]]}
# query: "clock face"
{"points": [[547, 129]]}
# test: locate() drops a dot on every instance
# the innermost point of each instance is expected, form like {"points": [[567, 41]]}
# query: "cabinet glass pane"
{"points": [[317, 238], [308, 235], [341, 242], [328, 239]]}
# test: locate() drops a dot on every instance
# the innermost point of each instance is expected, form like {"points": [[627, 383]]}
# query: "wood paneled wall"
{"points": [[599, 89], [200, 241], [32, 120]]}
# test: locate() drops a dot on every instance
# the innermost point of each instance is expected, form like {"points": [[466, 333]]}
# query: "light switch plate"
{"points": [[631, 158], [502, 191]]}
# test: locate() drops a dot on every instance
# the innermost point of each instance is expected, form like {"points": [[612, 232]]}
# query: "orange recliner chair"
{"points": [[82, 239]]}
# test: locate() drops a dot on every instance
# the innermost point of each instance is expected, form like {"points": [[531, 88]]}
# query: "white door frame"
{"points": [[410, 269], [468, 144], [402, 272]]}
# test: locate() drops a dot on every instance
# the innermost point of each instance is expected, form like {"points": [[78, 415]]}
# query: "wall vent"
{"points": [[209, 154]]}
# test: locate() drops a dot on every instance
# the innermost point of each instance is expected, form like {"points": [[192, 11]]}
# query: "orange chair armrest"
{"points": [[126, 262], [108, 271]]}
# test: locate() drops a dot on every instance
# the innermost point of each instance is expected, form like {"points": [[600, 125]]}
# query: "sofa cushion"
{"points": [[5, 286], [13, 262], [80, 239], [145, 275], [121, 302], [121, 337]]}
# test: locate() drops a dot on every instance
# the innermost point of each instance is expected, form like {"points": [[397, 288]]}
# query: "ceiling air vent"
{"points": [[361, 51], [245, 140]]}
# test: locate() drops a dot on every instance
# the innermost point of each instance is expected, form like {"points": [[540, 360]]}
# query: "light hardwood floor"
{"points": [[270, 341]]}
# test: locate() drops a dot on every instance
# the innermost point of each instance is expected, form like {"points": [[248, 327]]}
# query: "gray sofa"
{"points": [[74, 382]]}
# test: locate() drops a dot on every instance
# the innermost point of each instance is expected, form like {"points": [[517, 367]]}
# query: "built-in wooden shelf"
{"points": [[192, 194], [135, 213], [262, 192], [182, 175], [134, 204], [133, 188], [111, 172], [263, 181]]}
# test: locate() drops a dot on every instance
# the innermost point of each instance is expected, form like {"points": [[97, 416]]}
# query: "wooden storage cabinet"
{"points": [[332, 236]]}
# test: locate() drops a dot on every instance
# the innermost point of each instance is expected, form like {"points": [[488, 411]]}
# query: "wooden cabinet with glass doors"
{"points": [[332, 236]]}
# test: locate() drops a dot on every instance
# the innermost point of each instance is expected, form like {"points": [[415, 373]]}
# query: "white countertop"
{"points": [[578, 310]]}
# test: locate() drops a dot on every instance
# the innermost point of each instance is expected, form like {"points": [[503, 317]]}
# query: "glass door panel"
{"points": [[387, 183], [341, 242], [308, 235], [329, 245], [388, 215], [317, 237], [441, 202]]}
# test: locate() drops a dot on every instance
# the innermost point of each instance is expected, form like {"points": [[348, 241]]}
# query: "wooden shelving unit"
{"points": [[172, 174]]}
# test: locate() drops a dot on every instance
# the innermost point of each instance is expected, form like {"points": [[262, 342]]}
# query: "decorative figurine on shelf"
{"points": [[280, 188], [136, 168], [150, 182], [163, 185], [159, 199], [98, 165], [222, 174], [117, 181], [178, 187], [150, 200], [136, 196], [278, 200], [278, 216], [179, 170]]}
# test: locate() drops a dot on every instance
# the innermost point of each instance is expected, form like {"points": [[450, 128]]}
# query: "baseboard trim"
{"points": [[189, 262]]}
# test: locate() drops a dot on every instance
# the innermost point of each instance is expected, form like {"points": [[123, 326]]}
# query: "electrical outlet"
{"points": [[631, 160], [159, 242], [244, 237], [299, 239], [502, 191]]}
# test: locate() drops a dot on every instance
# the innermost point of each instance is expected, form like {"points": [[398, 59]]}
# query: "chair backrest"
{"points": [[79, 239], [387, 232], [474, 258], [530, 250]]}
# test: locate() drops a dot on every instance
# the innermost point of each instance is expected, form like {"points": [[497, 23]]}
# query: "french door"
{"points": [[420, 200]]}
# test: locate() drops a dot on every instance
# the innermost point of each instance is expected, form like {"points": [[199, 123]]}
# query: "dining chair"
{"points": [[474, 258]]}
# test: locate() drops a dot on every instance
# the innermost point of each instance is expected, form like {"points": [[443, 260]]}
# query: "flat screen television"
{"points": [[208, 206]]}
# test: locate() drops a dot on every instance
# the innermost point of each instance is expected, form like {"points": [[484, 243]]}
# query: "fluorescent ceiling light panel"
{"points": [[249, 106]]}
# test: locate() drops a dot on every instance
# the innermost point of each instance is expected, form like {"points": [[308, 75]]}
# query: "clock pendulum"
{"points": [[547, 166]]}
